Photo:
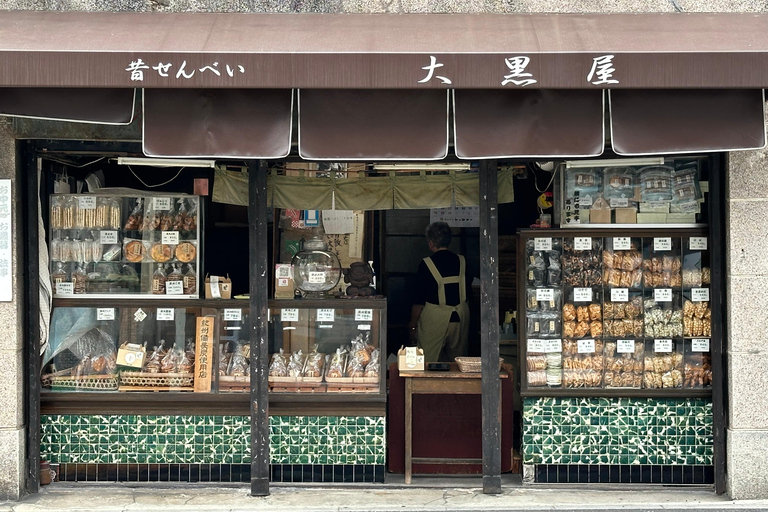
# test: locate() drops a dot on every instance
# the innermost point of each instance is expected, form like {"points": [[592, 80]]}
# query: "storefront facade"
{"points": [[744, 212]]}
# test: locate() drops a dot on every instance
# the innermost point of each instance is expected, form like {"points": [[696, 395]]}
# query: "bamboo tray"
{"points": [[143, 381], [85, 382]]}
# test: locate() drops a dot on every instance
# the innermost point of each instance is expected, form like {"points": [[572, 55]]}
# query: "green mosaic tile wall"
{"points": [[210, 439], [666, 431]]}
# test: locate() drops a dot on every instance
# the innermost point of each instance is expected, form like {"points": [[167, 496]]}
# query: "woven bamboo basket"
{"points": [[153, 380], [472, 364], [89, 382]]}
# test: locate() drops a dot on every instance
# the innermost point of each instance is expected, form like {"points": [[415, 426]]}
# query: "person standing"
{"points": [[440, 313]]}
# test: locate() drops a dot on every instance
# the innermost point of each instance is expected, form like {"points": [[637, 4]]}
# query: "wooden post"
{"points": [[259, 290], [489, 333]]}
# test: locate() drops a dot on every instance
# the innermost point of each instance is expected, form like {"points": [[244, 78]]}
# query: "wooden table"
{"points": [[452, 382]]}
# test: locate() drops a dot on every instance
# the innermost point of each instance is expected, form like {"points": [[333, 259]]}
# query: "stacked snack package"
{"points": [[623, 370], [697, 319], [337, 363], [621, 269], [296, 364], [154, 361], [663, 370], [582, 268], [582, 370], [582, 321], [662, 323], [278, 367], [698, 370], [372, 368], [315, 364], [238, 364], [544, 267], [662, 271], [623, 318]]}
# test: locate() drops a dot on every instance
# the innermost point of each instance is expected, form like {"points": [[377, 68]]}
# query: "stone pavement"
{"points": [[84, 497]]}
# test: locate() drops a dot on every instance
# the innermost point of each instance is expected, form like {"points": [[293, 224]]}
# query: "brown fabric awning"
{"points": [[236, 123], [387, 51], [103, 106], [528, 123], [652, 122], [373, 124]]}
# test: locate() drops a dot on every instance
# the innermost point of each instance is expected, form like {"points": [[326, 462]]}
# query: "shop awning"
{"points": [[102, 106], [386, 51]]}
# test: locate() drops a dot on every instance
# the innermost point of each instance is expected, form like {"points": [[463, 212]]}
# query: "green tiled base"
{"points": [[667, 431], [210, 439]]}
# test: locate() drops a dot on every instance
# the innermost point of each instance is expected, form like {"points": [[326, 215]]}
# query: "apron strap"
{"points": [[438, 279], [442, 281]]}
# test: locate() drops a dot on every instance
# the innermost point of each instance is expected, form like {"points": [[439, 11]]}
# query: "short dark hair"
{"points": [[439, 233]]}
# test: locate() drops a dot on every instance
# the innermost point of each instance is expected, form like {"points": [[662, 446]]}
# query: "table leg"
{"points": [[408, 429]]}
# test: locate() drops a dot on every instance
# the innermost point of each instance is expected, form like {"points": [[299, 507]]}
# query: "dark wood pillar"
{"points": [[259, 287], [489, 330]]}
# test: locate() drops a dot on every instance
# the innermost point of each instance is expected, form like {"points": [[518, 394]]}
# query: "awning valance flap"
{"points": [[654, 122], [225, 123], [102, 106]]}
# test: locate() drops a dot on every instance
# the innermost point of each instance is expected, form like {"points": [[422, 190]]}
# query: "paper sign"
{"points": [[65, 288], [622, 243], [662, 244], [161, 203], [364, 327], [551, 346], [700, 294], [311, 218], [456, 216], [316, 277], [542, 244], [289, 315], [700, 345], [326, 315], [233, 315], [170, 237], [582, 243], [619, 202], [586, 346], [662, 294], [697, 243], [338, 222], [215, 290], [363, 315], [86, 202], [585, 202], [105, 313], [662, 345], [535, 345], [619, 294], [6, 243], [139, 315], [166, 314], [174, 287], [625, 346], [204, 354], [108, 237], [582, 295], [545, 294]]}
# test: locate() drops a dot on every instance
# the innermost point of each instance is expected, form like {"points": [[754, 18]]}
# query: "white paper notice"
{"points": [[65, 288], [586, 346], [622, 243], [215, 290], [535, 346], [456, 216], [356, 237], [316, 277], [289, 315], [233, 315], [166, 314], [625, 346], [161, 203], [170, 237], [698, 243], [108, 237], [619, 294], [662, 294], [551, 346], [174, 287], [326, 315], [700, 294], [6, 231], [338, 222], [700, 345], [363, 315], [582, 243], [105, 314], [662, 345], [582, 295], [86, 202], [542, 244], [545, 294], [662, 244], [619, 202], [364, 327]]}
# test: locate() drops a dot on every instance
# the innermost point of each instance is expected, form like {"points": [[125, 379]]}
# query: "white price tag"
{"points": [[585, 201], [108, 237], [662, 244], [326, 315], [700, 345], [161, 203], [700, 294], [622, 243], [170, 237], [316, 277], [545, 294], [139, 315], [542, 244], [582, 295], [586, 346], [363, 315], [86, 202], [662, 294], [289, 315], [619, 294], [325, 326], [166, 314], [233, 315], [625, 346], [174, 287], [619, 202], [65, 288], [364, 327], [536, 346], [105, 313], [551, 346], [662, 345], [697, 243], [582, 243]]}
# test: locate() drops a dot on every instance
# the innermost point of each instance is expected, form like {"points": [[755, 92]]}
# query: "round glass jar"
{"points": [[316, 271]]}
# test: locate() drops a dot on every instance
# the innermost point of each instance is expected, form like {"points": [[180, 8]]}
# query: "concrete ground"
{"points": [[425, 495]]}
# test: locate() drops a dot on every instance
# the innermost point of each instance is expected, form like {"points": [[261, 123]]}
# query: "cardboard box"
{"points": [[131, 355], [651, 218], [284, 281], [217, 287], [600, 216], [410, 358], [626, 216]]}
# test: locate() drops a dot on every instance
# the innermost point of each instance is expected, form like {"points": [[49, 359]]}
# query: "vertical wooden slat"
{"points": [[259, 286], [489, 321]]}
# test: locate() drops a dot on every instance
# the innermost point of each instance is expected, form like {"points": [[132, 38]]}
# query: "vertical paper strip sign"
{"points": [[6, 239], [204, 354]]}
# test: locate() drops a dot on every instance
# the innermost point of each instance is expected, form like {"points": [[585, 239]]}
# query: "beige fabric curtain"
{"points": [[392, 192]]}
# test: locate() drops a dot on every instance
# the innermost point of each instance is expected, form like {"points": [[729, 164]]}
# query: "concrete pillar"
{"points": [[747, 344], [12, 431]]}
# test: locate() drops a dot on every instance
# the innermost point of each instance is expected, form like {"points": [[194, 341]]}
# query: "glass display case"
{"points": [[615, 310], [115, 245]]}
